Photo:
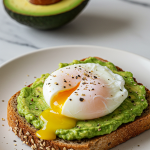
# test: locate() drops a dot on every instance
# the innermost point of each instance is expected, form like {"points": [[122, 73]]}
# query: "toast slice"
{"points": [[26, 132]]}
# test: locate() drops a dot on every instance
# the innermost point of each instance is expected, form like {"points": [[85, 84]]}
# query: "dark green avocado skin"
{"points": [[47, 22]]}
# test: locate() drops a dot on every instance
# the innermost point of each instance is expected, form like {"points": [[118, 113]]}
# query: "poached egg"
{"points": [[79, 92]]}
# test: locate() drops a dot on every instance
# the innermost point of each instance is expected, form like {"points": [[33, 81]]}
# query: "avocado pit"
{"points": [[43, 2]]}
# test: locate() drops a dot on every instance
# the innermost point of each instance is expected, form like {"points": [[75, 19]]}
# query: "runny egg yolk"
{"points": [[53, 119]]}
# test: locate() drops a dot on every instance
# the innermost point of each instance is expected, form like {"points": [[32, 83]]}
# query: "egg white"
{"points": [[100, 91]]}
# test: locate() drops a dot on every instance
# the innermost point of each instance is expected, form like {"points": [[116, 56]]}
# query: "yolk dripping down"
{"points": [[53, 119]]}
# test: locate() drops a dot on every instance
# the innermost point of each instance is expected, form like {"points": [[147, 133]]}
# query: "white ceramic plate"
{"points": [[13, 76]]}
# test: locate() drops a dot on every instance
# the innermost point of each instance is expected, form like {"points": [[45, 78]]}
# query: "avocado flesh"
{"points": [[44, 17], [132, 106], [26, 8]]}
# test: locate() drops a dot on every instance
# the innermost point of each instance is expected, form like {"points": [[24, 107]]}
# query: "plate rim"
{"points": [[73, 46], [68, 46]]}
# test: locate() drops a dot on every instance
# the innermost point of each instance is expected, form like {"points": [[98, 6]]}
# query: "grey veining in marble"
{"points": [[122, 24], [145, 4], [12, 37], [19, 43]]}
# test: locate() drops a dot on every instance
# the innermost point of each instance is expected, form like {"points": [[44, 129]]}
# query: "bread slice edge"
{"points": [[26, 132]]}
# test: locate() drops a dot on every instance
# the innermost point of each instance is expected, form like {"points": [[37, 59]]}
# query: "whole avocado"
{"points": [[44, 16]]}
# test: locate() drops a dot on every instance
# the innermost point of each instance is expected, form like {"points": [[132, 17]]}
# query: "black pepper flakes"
{"points": [[95, 77], [81, 99], [65, 80], [84, 78], [83, 83], [64, 86], [70, 99]]}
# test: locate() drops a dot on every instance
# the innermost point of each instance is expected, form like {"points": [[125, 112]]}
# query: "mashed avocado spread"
{"points": [[31, 103]]}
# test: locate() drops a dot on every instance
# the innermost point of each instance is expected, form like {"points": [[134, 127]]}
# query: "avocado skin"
{"points": [[47, 22]]}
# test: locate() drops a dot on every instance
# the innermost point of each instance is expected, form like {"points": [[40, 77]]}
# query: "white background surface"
{"points": [[110, 23]]}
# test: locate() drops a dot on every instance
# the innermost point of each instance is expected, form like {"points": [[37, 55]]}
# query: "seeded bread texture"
{"points": [[26, 132]]}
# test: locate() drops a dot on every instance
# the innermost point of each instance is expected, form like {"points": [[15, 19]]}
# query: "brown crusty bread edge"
{"points": [[26, 132]]}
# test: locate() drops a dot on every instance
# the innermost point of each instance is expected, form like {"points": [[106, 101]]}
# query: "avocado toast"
{"points": [[27, 132]]}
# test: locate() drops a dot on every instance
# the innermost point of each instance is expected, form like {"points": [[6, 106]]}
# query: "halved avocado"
{"points": [[44, 16]]}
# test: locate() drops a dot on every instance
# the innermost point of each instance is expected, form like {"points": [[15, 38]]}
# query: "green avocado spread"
{"points": [[31, 103]]}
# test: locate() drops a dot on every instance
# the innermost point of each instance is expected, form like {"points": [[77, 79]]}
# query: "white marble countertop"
{"points": [[119, 24]]}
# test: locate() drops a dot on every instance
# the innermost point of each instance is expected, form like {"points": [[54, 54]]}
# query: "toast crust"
{"points": [[26, 132]]}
